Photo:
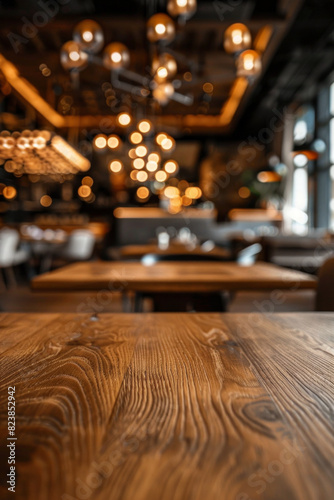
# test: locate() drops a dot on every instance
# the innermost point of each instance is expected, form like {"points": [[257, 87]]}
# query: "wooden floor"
{"points": [[170, 407]]}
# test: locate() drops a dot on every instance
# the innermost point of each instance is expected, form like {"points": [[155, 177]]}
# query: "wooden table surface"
{"points": [[138, 251], [169, 407], [172, 277]]}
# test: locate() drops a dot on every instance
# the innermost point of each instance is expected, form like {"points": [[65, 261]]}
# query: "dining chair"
{"points": [[80, 246], [11, 254], [325, 290]]}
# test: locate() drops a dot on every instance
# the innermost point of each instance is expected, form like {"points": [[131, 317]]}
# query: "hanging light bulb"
{"points": [[124, 119], [237, 38], [116, 56], [89, 35], [72, 57], [184, 8], [163, 92], [164, 67], [160, 27], [249, 63]]}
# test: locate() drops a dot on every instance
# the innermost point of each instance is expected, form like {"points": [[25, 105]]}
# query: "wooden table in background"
{"points": [[139, 251], [169, 407], [173, 277]]}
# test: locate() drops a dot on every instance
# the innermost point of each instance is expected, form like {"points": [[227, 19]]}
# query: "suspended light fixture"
{"points": [[160, 27], [163, 92], [237, 38], [183, 8], [89, 35], [72, 57], [249, 64], [116, 56], [164, 67]]}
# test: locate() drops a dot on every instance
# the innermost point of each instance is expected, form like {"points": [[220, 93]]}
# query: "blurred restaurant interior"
{"points": [[167, 156]]}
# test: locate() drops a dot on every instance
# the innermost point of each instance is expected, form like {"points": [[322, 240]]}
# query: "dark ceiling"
{"points": [[299, 54]]}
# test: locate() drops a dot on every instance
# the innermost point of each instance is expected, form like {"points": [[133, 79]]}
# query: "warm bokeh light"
{"points": [[138, 163], [124, 119], [268, 177], [115, 166], [133, 175], [171, 166], [161, 176], [249, 63], [46, 201], [208, 88], [244, 192], [186, 202], [160, 137], [167, 144], [9, 192], [136, 138], [100, 141], [194, 193], [84, 191], [132, 153], [154, 157], [151, 166], [87, 181], [160, 27], [171, 192], [143, 193], [144, 126], [113, 141], [237, 38], [116, 56], [141, 151], [142, 176]]}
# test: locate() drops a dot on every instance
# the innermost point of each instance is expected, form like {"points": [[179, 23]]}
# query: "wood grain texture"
{"points": [[171, 406], [173, 277]]}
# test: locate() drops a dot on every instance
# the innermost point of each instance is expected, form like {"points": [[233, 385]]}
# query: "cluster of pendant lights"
{"points": [[145, 154], [88, 40], [238, 41]]}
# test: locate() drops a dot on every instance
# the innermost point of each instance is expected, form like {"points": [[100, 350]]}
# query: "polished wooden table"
{"points": [[172, 277], [170, 407]]}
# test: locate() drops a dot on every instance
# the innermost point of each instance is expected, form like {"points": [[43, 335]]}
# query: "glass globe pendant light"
{"points": [[116, 56], [237, 38], [72, 57], [249, 64], [164, 67], [89, 35], [160, 27], [184, 8]]}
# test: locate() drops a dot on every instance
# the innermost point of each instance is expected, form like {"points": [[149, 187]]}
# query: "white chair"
{"points": [[10, 254], [80, 246]]}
